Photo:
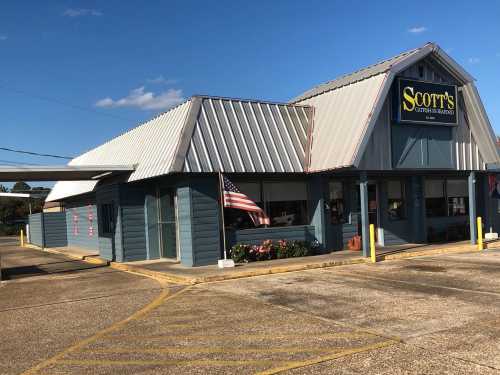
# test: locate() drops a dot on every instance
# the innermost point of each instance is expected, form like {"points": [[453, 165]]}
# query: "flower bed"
{"points": [[244, 253]]}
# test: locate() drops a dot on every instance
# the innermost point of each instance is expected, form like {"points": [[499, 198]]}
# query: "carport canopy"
{"points": [[62, 173]]}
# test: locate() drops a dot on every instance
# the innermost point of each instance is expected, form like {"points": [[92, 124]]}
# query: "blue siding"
{"points": [[184, 214], [54, 224], [152, 237], [110, 245], [133, 221], [35, 221], [258, 235], [81, 231], [205, 221]]}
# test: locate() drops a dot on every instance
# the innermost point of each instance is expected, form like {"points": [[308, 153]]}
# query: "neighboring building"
{"points": [[53, 207], [404, 144]]}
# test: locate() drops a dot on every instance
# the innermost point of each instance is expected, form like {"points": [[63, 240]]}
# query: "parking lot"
{"points": [[425, 315]]}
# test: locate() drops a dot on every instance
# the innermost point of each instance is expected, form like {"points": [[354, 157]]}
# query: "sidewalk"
{"points": [[174, 272], [177, 273]]}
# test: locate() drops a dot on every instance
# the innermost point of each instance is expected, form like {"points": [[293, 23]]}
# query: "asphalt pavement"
{"points": [[428, 315]]}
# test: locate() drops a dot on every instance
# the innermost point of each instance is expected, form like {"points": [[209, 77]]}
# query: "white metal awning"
{"points": [[62, 172]]}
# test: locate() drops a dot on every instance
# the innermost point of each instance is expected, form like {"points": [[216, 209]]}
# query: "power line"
{"points": [[63, 103], [36, 153]]}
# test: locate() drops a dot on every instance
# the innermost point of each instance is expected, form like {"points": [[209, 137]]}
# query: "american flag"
{"points": [[234, 198]]}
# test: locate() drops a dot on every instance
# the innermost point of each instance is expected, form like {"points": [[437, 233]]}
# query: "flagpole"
{"points": [[221, 196]]}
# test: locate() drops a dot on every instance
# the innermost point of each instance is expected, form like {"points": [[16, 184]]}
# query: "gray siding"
{"points": [[151, 218], [133, 221], [110, 245], [48, 230], [54, 224], [81, 231], [36, 237], [184, 215], [205, 221]]}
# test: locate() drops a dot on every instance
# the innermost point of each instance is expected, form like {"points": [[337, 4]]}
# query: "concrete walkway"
{"points": [[175, 272]]}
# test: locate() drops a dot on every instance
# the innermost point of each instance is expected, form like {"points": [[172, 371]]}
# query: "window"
{"points": [[337, 202], [286, 203], [448, 197], [107, 218], [458, 197], [396, 200], [435, 201], [239, 219]]}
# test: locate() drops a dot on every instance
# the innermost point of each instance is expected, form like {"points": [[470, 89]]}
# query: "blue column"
{"points": [[365, 231], [472, 207]]}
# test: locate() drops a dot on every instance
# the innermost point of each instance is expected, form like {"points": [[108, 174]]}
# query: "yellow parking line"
{"points": [[239, 336], [168, 362], [164, 296], [329, 357], [206, 350]]}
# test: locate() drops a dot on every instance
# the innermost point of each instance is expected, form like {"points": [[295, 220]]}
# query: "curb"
{"points": [[414, 254], [236, 275], [92, 259]]}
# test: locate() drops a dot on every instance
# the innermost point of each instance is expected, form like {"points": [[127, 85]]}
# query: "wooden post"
{"points": [[21, 235]]}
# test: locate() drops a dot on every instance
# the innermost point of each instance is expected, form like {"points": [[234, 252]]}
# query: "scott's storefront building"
{"points": [[404, 144]]}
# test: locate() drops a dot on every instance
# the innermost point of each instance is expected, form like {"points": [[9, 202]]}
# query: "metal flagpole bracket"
{"points": [[223, 263]]}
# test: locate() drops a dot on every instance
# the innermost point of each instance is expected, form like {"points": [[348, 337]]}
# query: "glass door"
{"points": [[167, 224]]}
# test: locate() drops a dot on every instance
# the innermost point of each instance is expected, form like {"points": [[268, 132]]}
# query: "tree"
{"points": [[21, 187]]}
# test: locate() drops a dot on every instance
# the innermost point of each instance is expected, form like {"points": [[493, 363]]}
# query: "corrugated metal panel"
{"points": [[340, 122], [357, 76], [244, 136], [151, 146]]}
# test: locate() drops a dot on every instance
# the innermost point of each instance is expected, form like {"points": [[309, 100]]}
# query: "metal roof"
{"points": [[51, 173], [347, 108], [205, 134], [232, 135]]}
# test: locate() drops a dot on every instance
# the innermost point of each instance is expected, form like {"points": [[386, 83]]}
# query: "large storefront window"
{"points": [[446, 197], [396, 200], [435, 201], [284, 202], [458, 197], [337, 202]]}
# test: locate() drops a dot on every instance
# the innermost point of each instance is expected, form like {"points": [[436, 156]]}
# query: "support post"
{"points": [[21, 235], [363, 193], [472, 207], [373, 255]]}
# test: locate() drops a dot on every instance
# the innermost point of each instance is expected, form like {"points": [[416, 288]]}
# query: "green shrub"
{"points": [[268, 250]]}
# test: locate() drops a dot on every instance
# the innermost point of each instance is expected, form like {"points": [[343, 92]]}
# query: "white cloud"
{"points": [[417, 29], [81, 12], [161, 80], [3, 37], [139, 98], [474, 60]]}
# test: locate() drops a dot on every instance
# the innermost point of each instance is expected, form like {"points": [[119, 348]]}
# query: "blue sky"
{"points": [[77, 73]]}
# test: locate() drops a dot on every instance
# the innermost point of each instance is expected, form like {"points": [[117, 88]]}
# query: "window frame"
{"points": [[402, 184], [446, 198], [107, 223]]}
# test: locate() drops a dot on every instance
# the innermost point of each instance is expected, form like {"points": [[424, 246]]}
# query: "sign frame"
{"points": [[399, 103]]}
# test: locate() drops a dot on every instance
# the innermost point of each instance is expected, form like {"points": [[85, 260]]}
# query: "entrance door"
{"points": [[167, 224]]}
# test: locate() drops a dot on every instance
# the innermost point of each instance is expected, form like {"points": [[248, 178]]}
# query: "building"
{"points": [[404, 144]]}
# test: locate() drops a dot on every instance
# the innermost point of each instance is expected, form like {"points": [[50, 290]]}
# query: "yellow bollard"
{"points": [[22, 238], [479, 233], [372, 243]]}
